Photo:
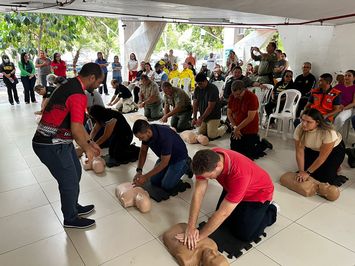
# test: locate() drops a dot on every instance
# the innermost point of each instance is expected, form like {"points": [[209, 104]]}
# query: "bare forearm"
{"points": [[176, 110], [194, 109], [213, 223], [300, 159], [80, 135], [142, 158], [208, 110], [157, 169]]}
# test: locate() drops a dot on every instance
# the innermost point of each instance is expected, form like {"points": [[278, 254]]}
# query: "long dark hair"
{"points": [[55, 56], [101, 114], [23, 58], [284, 75], [318, 117]]}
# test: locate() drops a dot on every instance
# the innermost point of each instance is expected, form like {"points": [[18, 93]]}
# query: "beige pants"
{"points": [[212, 129], [127, 105]]}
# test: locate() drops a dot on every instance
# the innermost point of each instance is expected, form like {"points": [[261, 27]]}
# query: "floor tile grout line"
{"points": [[325, 237]]}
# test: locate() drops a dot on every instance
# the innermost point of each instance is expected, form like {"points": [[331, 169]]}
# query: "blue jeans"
{"points": [[169, 177], [64, 165]]}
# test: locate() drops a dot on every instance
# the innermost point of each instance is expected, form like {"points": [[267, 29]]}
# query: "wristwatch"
{"points": [[139, 170]]}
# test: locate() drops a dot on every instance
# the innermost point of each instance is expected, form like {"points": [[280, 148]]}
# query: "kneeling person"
{"points": [[173, 160], [244, 205], [122, 98], [182, 108], [243, 115]]}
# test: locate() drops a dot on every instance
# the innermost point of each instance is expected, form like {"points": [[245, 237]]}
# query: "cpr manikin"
{"points": [[97, 165], [191, 137], [129, 196], [310, 187], [205, 254]]}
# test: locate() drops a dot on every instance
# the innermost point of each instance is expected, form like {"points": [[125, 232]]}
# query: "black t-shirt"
{"points": [[208, 94], [123, 92], [49, 91], [305, 83]]}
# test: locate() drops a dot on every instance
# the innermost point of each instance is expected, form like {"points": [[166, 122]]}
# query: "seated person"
{"points": [[182, 109], [304, 83], [243, 115], [205, 70], [171, 150], [206, 102], [46, 92], [174, 73], [237, 75], [244, 205], [347, 102], [117, 134], [159, 75], [285, 84], [325, 98], [149, 98], [122, 97], [187, 73], [217, 75], [319, 148]]}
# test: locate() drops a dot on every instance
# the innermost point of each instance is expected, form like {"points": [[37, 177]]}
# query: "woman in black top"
{"points": [[7, 69], [116, 131]]}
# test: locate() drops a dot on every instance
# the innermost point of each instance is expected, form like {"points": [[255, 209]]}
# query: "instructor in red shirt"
{"points": [[244, 205], [62, 121]]}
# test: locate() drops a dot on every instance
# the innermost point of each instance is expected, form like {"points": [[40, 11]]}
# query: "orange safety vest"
{"points": [[323, 102]]}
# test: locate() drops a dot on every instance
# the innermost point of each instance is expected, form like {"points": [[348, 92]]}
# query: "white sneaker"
{"points": [[276, 205]]}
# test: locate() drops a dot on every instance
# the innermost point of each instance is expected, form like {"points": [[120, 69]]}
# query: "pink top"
{"points": [[347, 94], [243, 179]]}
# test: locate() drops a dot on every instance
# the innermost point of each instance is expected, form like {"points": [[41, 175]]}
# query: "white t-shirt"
{"points": [[132, 65], [315, 138]]}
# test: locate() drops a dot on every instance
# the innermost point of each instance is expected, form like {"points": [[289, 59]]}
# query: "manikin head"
{"points": [[189, 136], [207, 163], [142, 130]]}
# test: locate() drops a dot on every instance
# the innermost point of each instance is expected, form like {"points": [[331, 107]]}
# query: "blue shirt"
{"points": [[103, 61], [166, 141]]}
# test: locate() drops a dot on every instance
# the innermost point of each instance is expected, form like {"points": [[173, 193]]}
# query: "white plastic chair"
{"points": [[263, 96], [288, 112], [175, 81], [186, 85], [220, 85]]}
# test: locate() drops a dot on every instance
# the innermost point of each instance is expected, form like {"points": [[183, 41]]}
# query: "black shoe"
{"points": [[27, 102], [18, 102], [12, 103], [84, 210], [189, 172], [80, 223], [266, 143]]}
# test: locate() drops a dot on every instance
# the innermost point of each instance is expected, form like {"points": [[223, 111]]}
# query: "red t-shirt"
{"points": [[243, 179], [240, 109], [59, 69]]}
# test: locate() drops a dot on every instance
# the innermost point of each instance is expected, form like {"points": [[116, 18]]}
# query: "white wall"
{"points": [[329, 48]]}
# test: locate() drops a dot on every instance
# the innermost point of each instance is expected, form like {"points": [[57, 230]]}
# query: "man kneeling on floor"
{"points": [[173, 160], [243, 115], [244, 205]]}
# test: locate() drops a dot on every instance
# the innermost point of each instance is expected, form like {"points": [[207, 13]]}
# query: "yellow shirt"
{"points": [[187, 73], [174, 74], [166, 70]]}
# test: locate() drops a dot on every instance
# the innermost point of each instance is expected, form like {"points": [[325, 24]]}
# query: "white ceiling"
{"points": [[202, 11]]}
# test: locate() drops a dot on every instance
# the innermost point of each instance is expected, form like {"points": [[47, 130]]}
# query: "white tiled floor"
{"points": [[309, 231]]}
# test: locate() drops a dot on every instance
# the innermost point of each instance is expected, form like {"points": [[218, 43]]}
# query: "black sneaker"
{"points": [[189, 172], [18, 102], [80, 223], [266, 143], [84, 210]]}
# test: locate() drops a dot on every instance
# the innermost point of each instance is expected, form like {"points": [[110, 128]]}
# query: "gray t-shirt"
{"points": [[208, 94], [94, 98], [43, 70]]}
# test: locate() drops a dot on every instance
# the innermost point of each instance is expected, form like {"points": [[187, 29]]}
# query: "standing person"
{"points": [[211, 62], [190, 59], [280, 65], [181, 107], [267, 62], [232, 60], [58, 66], [132, 67], [116, 69], [7, 69], [244, 206], [103, 65], [62, 121], [206, 102], [28, 77], [172, 58], [173, 160], [43, 65]]}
